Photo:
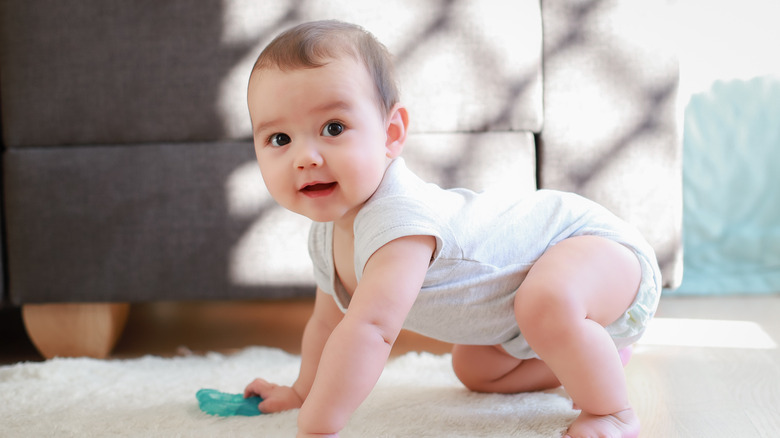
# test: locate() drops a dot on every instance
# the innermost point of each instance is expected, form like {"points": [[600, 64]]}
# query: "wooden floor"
{"points": [[708, 367]]}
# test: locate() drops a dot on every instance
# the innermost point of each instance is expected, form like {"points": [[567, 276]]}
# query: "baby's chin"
{"points": [[319, 216]]}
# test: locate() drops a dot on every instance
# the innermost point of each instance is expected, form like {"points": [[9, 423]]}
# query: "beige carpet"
{"points": [[417, 396]]}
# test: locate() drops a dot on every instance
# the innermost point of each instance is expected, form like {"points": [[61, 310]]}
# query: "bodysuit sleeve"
{"points": [[403, 205], [392, 218]]}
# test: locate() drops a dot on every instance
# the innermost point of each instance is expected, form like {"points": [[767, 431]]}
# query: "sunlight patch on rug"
{"points": [[709, 333]]}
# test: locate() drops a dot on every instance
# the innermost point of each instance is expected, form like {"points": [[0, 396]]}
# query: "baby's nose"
{"points": [[308, 155]]}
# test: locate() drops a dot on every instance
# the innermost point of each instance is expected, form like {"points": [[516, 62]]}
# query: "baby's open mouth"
{"points": [[318, 187]]}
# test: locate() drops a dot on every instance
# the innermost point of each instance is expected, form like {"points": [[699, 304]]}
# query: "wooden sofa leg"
{"points": [[75, 329]]}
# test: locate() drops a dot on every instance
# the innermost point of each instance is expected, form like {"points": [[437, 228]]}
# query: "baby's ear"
{"points": [[397, 126]]}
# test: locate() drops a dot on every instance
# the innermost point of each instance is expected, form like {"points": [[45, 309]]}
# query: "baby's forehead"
{"points": [[342, 80], [292, 64], [276, 71]]}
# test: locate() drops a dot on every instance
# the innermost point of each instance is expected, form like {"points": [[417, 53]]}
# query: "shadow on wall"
{"points": [[619, 77], [732, 210]]}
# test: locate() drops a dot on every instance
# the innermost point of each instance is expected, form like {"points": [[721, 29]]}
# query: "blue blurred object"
{"points": [[731, 189], [222, 404]]}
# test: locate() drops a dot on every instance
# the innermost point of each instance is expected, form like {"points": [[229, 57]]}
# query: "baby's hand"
{"points": [[276, 398]]}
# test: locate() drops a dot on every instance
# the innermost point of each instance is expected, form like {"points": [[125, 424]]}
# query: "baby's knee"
{"points": [[472, 381], [543, 310], [472, 365], [463, 364]]}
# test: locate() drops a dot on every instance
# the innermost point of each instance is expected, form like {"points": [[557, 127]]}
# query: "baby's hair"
{"points": [[313, 44]]}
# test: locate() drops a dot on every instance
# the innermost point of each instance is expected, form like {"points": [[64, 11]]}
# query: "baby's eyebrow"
{"points": [[265, 125], [331, 106]]}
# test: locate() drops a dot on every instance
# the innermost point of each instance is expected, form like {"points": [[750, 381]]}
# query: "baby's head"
{"points": [[326, 119], [313, 44]]}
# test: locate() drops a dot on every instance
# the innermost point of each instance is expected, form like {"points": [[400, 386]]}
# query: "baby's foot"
{"points": [[623, 424]]}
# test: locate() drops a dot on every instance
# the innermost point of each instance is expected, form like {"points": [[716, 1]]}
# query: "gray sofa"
{"points": [[128, 168]]}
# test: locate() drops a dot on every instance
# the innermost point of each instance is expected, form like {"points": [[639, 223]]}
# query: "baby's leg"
{"points": [[487, 368], [572, 292]]}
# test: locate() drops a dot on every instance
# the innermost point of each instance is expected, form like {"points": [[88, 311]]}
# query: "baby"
{"points": [[535, 293]]}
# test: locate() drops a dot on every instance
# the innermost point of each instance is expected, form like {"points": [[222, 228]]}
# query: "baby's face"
{"points": [[319, 137]]}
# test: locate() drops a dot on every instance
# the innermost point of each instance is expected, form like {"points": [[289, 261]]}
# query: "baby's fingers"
{"points": [[258, 387], [273, 405], [276, 398], [280, 398]]}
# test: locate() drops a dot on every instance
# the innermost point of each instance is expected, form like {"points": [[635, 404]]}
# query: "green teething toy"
{"points": [[222, 404]]}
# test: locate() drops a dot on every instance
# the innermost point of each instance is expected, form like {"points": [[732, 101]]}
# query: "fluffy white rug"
{"points": [[417, 396]]}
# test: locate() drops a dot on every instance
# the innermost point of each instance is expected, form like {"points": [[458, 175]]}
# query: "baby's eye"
{"points": [[332, 129], [279, 139]]}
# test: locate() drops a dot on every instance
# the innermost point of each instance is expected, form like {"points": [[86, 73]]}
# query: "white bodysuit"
{"points": [[485, 244]]}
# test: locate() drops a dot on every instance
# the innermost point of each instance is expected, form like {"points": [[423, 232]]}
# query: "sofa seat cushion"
{"points": [[191, 221]]}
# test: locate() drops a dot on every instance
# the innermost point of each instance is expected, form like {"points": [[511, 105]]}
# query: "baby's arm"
{"points": [[277, 398], [357, 349], [323, 321]]}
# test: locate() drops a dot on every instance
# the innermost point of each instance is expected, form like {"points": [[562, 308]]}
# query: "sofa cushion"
{"points": [[191, 221], [610, 116], [117, 72]]}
